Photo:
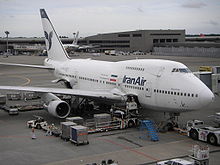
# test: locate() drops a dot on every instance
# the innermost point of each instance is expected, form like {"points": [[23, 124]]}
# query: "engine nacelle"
{"points": [[55, 106], [58, 108]]}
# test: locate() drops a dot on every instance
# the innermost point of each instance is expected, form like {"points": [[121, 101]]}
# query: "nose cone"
{"points": [[206, 97]]}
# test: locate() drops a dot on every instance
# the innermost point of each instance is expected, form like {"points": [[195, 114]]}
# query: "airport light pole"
{"points": [[7, 33]]}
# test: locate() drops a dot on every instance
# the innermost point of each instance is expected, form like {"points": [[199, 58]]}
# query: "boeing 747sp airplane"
{"points": [[161, 85]]}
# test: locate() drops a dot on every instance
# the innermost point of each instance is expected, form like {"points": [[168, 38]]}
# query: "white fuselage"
{"points": [[159, 84]]}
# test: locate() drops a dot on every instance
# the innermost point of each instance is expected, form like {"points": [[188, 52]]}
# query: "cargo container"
{"points": [[14, 96], [65, 129], [102, 117], [2, 99], [78, 120], [30, 95], [79, 134]]}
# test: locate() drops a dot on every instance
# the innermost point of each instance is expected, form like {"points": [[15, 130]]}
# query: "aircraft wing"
{"points": [[114, 94], [25, 65]]}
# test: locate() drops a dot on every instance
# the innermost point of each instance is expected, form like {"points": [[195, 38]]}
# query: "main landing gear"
{"points": [[170, 123]]}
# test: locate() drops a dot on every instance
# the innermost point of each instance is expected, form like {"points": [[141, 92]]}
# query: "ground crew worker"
{"points": [[49, 131], [33, 136]]}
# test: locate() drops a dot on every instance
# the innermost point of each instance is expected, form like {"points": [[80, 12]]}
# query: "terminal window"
{"points": [[137, 35], [162, 40], [155, 41], [108, 41], [123, 35], [164, 34]]}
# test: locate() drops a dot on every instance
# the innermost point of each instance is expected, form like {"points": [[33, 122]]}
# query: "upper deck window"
{"points": [[181, 70]]}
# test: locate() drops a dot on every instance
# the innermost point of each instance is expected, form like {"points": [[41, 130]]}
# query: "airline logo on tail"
{"points": [[43, 14], [49, 37]]}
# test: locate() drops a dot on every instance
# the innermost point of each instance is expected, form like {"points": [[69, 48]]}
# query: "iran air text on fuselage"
{"points": [[135, 81]]}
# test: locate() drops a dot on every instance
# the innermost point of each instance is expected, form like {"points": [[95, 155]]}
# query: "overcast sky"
{"points": [[22, 19]]}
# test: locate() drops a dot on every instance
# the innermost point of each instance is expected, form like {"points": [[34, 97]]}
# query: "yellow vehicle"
{"points": [[205, 69]]}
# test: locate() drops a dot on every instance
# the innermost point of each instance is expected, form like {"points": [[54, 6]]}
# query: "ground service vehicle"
{"points": [[128, 116], [198, 131], [38, 123], [175, 162], [13, 111]]}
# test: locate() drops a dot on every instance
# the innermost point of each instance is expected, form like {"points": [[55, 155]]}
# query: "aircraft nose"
{"points": [[206, 97]]}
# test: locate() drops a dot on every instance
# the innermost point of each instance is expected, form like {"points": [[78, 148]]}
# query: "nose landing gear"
{"points": [[170, 123]]}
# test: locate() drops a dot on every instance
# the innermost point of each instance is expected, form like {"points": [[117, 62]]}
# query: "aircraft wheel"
{"points": [[38, 126], [193, 134], [131, 124], [169, 126], [212, 139]]}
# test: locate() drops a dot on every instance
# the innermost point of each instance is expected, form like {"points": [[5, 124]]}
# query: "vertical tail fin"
{"points": [[55, 49], [75, 41]]}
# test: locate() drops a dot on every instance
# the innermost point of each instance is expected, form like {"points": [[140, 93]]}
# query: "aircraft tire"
{"points": [[212, 139], [131, 124], [193, 134], [38, 126]]}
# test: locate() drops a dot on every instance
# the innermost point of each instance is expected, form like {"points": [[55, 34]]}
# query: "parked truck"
{"points": [[2, 99], [177, 161], [38, 122], [197, 130]]}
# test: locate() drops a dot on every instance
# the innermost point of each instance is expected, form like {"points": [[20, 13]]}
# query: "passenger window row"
{"points": [[134, 68], [110, 83], [88, 79], [175, 93], [134, 87], [67, 75]]}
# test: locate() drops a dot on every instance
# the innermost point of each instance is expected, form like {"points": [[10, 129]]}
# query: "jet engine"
{"points": [[55, 106]]}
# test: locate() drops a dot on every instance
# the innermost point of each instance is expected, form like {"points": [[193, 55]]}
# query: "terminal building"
{"points": [[139, 40], [129, 41], [159, 42]]}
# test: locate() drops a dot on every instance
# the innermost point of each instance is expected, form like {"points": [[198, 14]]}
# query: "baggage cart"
{"points": [[30, 95], [79, 135], [14, 96], [65, 130], [102, 117], [78, 120]]}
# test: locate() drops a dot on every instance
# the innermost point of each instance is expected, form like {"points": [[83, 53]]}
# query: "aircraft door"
{"points": [[74, 80], [119, 83], [148, 89]]}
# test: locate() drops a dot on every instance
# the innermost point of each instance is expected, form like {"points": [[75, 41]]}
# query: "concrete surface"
{"points": [[124, 146]]}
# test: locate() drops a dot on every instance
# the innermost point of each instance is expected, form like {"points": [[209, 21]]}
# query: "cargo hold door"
{"points": [[148, 90]]}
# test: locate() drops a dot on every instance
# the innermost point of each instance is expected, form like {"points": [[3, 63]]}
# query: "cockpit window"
{"points": [[175, 70], [184, 70], [181, 70]]}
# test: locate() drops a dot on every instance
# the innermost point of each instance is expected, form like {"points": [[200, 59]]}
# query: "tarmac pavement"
{"points": [[124, 146]]}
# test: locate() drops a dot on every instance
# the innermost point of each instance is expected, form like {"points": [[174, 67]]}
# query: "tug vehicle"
{"points": [[38, 123], [197, 130]]}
